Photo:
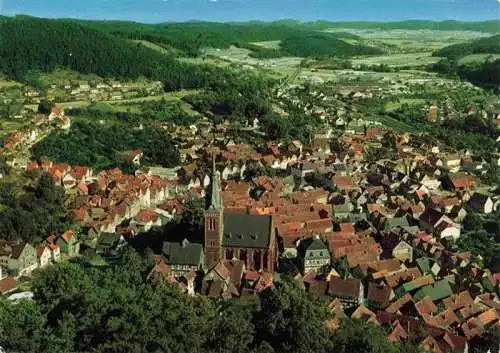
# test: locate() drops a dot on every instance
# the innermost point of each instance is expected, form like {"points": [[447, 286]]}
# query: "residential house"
{"points": [[436, 291], [403, 252], [69, 243], [343, 210], [110, 245], [19, 259], [44, 255], [183, 257], [314, 254], [379, 295], [349, 291]]}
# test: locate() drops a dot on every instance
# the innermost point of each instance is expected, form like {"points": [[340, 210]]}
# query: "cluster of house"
{"points": [[29, 135], [112, 202], [93, 90], [368, 237], [19, 258], [371, 241]]}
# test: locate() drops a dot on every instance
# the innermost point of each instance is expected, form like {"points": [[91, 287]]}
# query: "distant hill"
{"points": [[324, 44], [191, 37], [489, 45], [492, 26], [28, 43]]}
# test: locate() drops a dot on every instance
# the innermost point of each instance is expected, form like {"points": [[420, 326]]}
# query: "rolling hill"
{"points": [[33, 44], [489, 45]]}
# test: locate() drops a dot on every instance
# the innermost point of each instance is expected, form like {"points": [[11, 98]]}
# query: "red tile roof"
{"points": [[7, 284]]}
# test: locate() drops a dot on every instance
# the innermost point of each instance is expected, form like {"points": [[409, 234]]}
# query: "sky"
{"points": [[239, 10]]}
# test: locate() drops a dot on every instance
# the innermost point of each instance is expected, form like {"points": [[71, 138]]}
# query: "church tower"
{"points": [[214, 222]]}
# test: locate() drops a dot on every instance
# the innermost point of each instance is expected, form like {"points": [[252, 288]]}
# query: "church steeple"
{"points": [[214, 221], [215, 189]]}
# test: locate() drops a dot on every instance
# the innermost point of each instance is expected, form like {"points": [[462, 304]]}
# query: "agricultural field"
{"points": [[413, 41], [271, 44], [398, 60], [394, 124], [410, 101], [156, 47], [130, 104]]}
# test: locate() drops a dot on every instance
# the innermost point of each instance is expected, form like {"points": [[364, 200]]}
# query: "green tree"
{"points": [[290, 321], [358, 336]]}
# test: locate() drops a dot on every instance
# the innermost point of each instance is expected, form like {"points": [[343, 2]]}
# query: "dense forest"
{"points": [[485, 74], [190, 38], [78, 307], [323, 44], [31, 207], [153, 111], [488, 45], [106, 145], [32, 44]]}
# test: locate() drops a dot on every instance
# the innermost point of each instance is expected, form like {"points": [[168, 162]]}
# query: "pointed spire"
{"points": [[215, 197]]}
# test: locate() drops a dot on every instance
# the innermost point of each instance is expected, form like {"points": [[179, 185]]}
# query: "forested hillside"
{"points": [[104, 145], [489, 45], [28, 43], [324, 44], [190, 38]]}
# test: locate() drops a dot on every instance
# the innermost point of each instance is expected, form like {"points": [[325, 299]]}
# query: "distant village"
{"points": [[92, 90], [367, 237]]}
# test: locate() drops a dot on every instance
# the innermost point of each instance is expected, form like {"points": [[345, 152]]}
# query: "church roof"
{"points": [[246, 231], [184, 253]]}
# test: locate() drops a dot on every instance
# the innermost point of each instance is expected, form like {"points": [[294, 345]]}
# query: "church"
{"points": [[250, 238]]}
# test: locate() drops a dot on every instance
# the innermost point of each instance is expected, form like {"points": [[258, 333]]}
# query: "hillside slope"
{"points": [[324, 44], [191, 37], [489, 45], [28, 44]]}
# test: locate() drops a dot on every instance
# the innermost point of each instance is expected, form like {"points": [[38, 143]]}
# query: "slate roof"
{"points": [[184, 253], [246, 231]]}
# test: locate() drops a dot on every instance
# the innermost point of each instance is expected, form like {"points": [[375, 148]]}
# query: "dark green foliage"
{"points": [[21, 326], [32, 211], [193, 217], [240, 97], [190, 38], [289, 321], [106, 144], [260, 52], [121, 308], [488, 342], [45, 106], [486, 73], [159, 111], [455, 132], [489, 45], [360, 337], [324, 44], [28, 44], [481, 238]]}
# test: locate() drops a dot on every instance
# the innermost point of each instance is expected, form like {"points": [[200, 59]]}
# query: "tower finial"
{"points": [[213, 163], [215, 197]]}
